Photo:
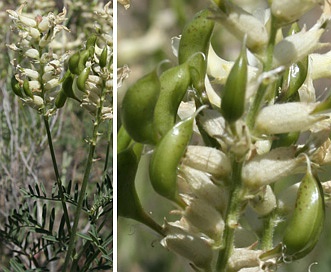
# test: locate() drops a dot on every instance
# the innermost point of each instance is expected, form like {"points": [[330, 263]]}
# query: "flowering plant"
{"points": [[217, 138]]}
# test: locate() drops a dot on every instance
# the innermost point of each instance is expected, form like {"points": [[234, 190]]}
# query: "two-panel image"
{"points": [[165, 136]]}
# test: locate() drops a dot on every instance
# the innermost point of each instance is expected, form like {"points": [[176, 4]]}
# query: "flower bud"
{"points": [[32, 53], [289, 117], [270, 167]]}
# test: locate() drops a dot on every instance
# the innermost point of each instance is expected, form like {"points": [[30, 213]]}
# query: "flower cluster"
{"points": [[263, 123], [38, 68]]}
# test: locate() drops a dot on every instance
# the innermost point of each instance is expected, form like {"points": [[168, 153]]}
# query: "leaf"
{"points": [[84, 236], [51, 220]]}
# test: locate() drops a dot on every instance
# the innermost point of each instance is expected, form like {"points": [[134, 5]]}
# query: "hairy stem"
{"points": [[232, 218]]}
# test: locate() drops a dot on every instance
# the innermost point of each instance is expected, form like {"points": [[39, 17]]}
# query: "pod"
{"points": [[306, 224], [73, 63], [81, 80], [67, 87], [15, 85], [174, 84], [26, 88], [195, 39], [83, 57], [166, 158], [103, 57], [123, 139], [233, 94], [60, 99], [128, 203], [137, 110]]}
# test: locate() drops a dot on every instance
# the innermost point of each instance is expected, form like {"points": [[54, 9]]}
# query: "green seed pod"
{"points": [[233, 97], [26, 88], [91, 41], [83, 57], [306, 224], [81, 80], [128, 203], [123, 139], [174, 83], [103, 57], [15, 85], [294, 77], [137, 110], [285, 139], [60, 99], [166, 158], [196, 38], [73, 63], [67, 87]]}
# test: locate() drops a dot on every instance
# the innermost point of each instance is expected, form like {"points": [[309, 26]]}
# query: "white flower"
{"points": [[207, 159], [289, 117], [267, 168], [193, 246], [241, 23], [203, 187], [289, 11]]}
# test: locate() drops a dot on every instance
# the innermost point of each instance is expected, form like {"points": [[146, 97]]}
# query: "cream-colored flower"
{"points": [[290, 11], [289, 117]]}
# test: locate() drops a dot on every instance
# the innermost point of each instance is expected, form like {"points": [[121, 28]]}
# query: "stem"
{"points": [[81, 197], [109, 144], [268, 231], [232, 218], [255, 107], [57, 175]]}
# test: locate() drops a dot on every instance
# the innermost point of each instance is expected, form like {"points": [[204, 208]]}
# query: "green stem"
{"points": [[109, 144], [258, 99], [81, 197], [232, 218], [269, 229], [57, 175]]}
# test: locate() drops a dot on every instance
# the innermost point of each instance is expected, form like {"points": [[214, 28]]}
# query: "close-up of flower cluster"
{"points": [[240, 148]]}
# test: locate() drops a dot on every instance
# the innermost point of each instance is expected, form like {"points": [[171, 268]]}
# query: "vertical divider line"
{"points": [[115, 13]]}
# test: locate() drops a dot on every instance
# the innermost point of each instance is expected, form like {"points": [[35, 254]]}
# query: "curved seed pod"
{"points": [[103, 57], [285, 139], [166, 158], [137, 110], [123, 139], [73, 63], [67, 87], [83, 57], [174, 83], [128, 203], [91, 41], [26, 88], [295, 76], [81, 80], [306, 224], [16, 87], [60, 99], [196, 38], [233, 97]]}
